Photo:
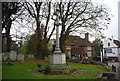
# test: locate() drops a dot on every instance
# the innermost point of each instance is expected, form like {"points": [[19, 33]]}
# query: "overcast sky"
{"points": [[113, 27], [112, 5]]}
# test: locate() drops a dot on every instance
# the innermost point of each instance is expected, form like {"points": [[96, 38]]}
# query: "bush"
{"points": [[46, 59], [77, 61], [39, 65], [47, 69], [92, 62], [66, 71], [70, 60], [67, 64], [85, 62]]}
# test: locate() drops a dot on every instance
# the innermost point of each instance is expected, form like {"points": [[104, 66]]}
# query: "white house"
{"points": [[111, 49]]}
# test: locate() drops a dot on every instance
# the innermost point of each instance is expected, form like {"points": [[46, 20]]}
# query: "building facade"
{"points": [[79, 47], [111, 49]]}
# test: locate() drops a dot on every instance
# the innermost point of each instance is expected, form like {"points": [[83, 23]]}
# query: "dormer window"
{"points": [[108, 44]]}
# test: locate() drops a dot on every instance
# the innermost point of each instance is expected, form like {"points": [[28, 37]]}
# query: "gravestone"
{"points": [[13, 55], [31, 56], [5, 56], [20, 57]]}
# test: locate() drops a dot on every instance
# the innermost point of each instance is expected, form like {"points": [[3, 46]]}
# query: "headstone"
{"points": [[31, 56], [13, 55], [20, 57], [73, 58], [5, 56]]}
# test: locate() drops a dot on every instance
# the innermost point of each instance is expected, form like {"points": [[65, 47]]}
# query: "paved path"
{"points": [[117, 65]]}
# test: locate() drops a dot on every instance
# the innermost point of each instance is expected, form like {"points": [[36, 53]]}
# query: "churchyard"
{"points": [[19, 66], [30, 50], [28, 70]]}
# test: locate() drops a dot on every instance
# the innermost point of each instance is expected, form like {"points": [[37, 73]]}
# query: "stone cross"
{"points": [[57, 59]]}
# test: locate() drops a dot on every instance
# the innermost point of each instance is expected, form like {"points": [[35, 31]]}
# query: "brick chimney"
{"points": [[87, 36]]}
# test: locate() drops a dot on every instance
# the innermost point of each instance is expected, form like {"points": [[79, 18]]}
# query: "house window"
{"points": [[68, 47], [88, 48], [108, 44], [108, 50], [75, 41], [89, 54], [69, 53]]}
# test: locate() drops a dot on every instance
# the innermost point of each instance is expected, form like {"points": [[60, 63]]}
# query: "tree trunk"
{"points": [[8, 45], [62, 44], [8, 49], [38, 44], [44, 49], [63, 38], [41, 45]]}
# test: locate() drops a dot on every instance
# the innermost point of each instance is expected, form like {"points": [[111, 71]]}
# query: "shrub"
{"points": [[47, 69], [85, 62], [76, 60], [66, 71], [46, 59], [95, 63], [92, 62], [70, 60], [67, 64], [39, 65]]}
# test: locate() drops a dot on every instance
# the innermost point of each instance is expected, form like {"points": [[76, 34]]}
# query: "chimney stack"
{"points": [[86, 36]]}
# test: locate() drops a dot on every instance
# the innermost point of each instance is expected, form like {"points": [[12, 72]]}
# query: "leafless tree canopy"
{"points": [[74, 17]]}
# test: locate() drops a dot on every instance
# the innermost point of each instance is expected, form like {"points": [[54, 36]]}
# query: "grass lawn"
{"points": [[20, 71]]}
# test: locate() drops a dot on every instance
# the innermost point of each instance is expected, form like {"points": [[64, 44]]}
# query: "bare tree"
{"points": [[84, 15], [40, 12], [10, 11]]}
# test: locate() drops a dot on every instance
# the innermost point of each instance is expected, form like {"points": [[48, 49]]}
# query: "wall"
{"points": [[119, 20], [113, 46], [119, 54]]}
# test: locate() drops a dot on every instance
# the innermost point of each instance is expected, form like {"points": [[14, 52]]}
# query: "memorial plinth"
{"points": [[57, 59]]}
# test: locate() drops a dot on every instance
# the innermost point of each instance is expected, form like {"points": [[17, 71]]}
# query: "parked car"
{"points": [[96, 58]]}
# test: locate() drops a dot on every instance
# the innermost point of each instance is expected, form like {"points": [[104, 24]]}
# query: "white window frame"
{"points": [[89, 48], [68, 47], [89, 54]]}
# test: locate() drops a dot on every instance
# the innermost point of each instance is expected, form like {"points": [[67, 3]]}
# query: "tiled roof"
{"points": [[79, 41], [117, 43]]}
